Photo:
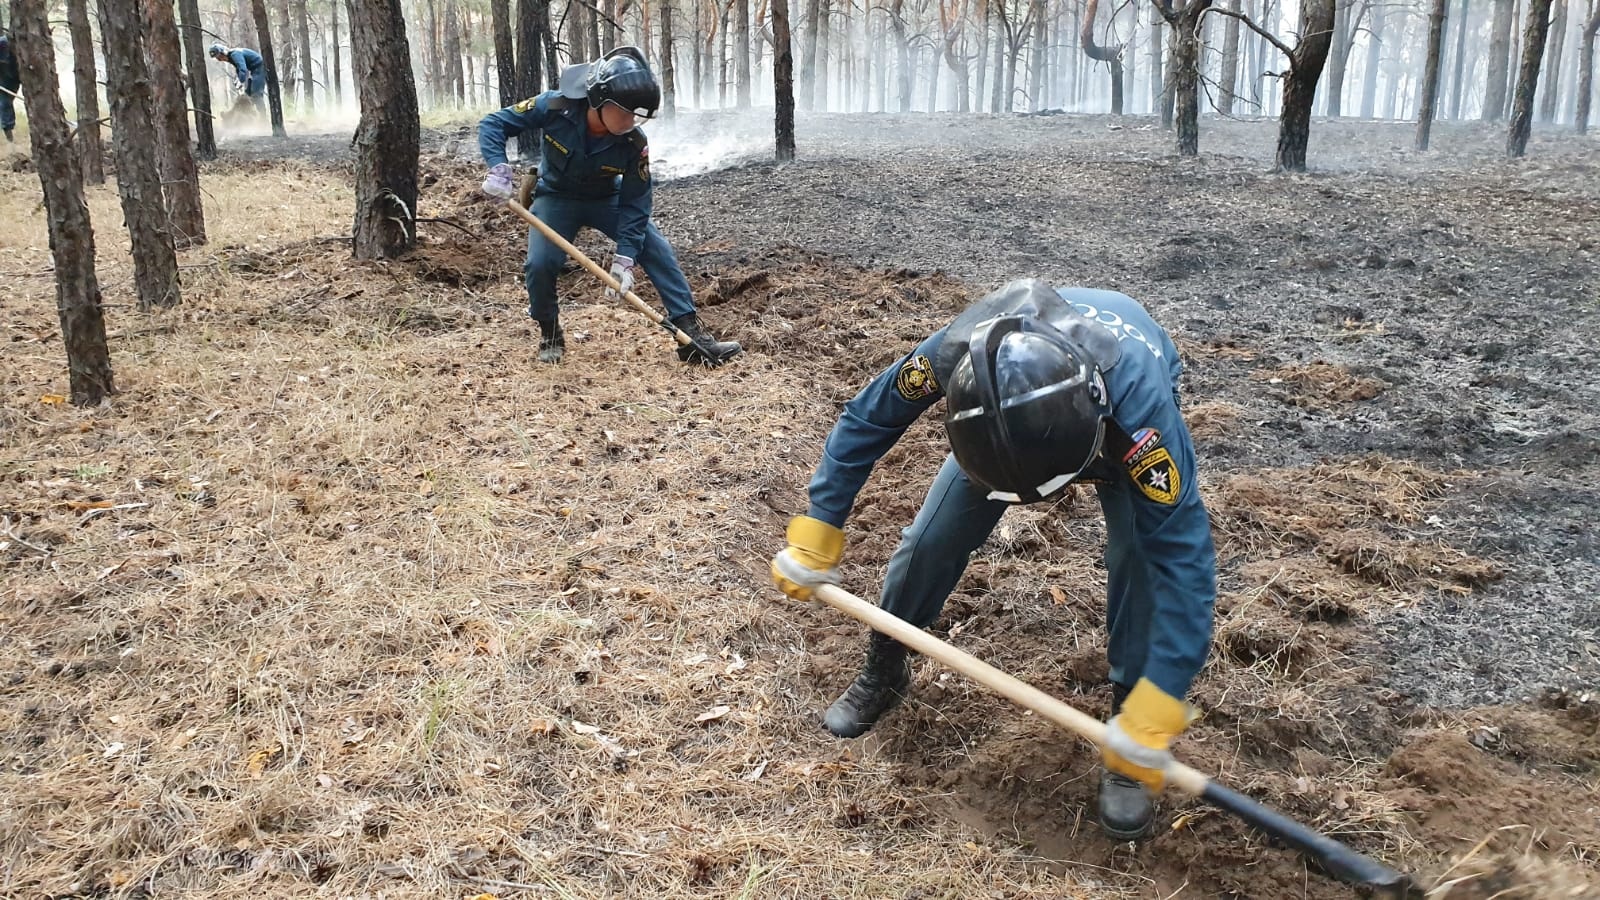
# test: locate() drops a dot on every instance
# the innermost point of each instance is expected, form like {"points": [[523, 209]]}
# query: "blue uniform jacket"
{"points": [[247, 62], [609, 168], [1173, 529]]}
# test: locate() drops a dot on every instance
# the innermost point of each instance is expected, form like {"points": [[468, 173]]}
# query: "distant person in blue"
{"points": [[1043, 388], [10, 85], [594, 171], [250, 68]]}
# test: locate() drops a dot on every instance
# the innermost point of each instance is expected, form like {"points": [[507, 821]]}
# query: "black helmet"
{"points": [[1025, 409], [622, 77]]}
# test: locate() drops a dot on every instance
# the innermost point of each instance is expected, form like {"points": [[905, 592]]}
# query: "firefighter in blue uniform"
{"points": [[248, 66], [595, 172], [1043, 388]]}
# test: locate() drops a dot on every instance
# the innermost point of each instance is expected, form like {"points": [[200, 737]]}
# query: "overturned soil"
{"points": [[345, 593]]}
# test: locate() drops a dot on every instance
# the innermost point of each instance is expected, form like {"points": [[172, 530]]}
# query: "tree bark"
{"points": [[532, 22], [1534, 34], [1494, 100], [155, 261], [782, 81], [1430, 76], [1228, 79], [1550, 100], [180, 179], [90, 150], [1369, 78], [387, 140], [669, 70], [505, 57], [1580, 116], [1160, 95], [1338, 57], [286, 50], [333, 40], [808, 56], [902, 49], [83, 329], [1185, 21], [1111, 55], [455, 78], [264, 36], [303, 38], [1300, 85], [194, 54], [1460, 61], [741, 54]]}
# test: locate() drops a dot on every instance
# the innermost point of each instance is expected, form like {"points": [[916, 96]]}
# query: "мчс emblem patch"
{"points": [[644, 164], [916, 381], [523, 106], [1156, 474]]}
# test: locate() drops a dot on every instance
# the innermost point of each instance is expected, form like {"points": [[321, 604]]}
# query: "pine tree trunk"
{"points": [[505, 57], [83, 329], [333, 41], [1229, 78], [1186, 76], [1580, 115], [1338, 58], [286, 50], [454, 78], [981, 78], [808, 56], [1430, 76], [669, 71], [1456, 83], [825, 43], [1160, 99], [1534, 34], [1550, 100], [180, 179], [90, 149], [1111, 55], [155, 262], [1036, 91], [997, 90], [902, 49], [269, 62], [593, 29], [1300, 85], [532, 22], [741, 54], [1499, 61], [194, 54], [1369, 78], [387, 140], [782, 81], [302, 25]]}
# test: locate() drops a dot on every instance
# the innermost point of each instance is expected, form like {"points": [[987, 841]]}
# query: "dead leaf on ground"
{"points": [[712, 714]]}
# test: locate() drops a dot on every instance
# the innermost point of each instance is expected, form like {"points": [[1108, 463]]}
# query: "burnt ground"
{"points": [[1387, 380]]}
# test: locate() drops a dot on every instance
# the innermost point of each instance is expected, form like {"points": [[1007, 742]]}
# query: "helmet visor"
{"points": [[638, 112]]}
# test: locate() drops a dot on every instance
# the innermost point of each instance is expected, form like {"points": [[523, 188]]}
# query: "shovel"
{"points": [[1333, 857]]}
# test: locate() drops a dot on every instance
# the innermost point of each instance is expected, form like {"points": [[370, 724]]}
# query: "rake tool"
{"points": [[1333, 857]]}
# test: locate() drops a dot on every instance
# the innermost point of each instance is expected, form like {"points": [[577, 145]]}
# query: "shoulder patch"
{"points": [[1144, 440], [524, 105], [1156, 475], [644, 164], [916, 380]]}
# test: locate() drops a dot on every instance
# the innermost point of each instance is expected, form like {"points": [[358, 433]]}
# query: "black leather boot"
{"points": [[1126, 808], [702, 347], [552, 342], [884, 681]]}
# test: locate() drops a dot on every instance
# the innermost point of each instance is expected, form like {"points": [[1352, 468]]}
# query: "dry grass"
{"points": [[344, 595], [375, 605], [1321, 385]]}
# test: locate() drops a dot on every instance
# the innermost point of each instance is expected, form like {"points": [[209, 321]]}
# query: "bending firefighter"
{"points": [[1043, 388], [594, 171], [250, 69]]}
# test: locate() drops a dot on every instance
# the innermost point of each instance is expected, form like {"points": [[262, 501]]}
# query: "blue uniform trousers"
{"points": [[565, 215], [957, 517]]}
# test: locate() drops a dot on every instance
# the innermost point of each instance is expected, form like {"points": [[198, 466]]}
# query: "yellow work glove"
{"points": [[1138, 737], [810, 560]]}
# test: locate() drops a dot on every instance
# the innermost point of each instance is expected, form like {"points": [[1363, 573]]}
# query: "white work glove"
{"points": [[499, 184], [622, 271]]}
